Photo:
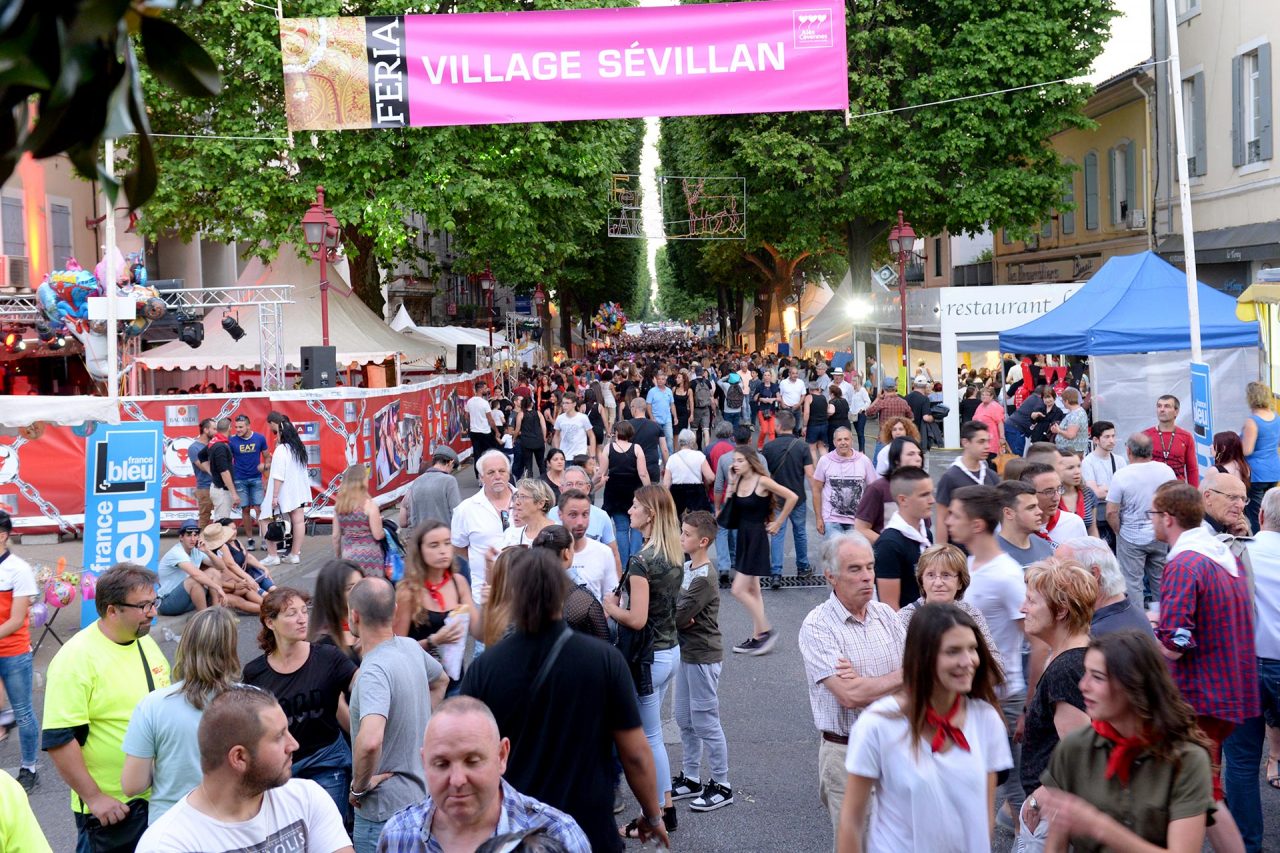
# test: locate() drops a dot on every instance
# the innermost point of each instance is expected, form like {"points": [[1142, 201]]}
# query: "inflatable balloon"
{"points": [[59, 594], [39, 614], [88, 586], [610, 319]]}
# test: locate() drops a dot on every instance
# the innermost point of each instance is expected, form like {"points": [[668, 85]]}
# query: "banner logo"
{"points": [[812, 28], [125, 462]]}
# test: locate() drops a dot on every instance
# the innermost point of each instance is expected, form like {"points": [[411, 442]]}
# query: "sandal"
{"points": [[631, 830], [1273, 771]]}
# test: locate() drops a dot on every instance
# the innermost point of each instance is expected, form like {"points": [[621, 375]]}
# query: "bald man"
{"points": [[468, 801], [1225, 497]]}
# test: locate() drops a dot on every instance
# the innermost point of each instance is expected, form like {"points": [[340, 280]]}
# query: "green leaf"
{"points": [[177, 60]]}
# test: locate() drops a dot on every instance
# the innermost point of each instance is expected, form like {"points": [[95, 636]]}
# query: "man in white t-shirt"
{"points": [[593, 564], [1059, 525], [997, 588], [1100, 466], [573, 430], [247, 800], [1140, 553], [480, 423]]}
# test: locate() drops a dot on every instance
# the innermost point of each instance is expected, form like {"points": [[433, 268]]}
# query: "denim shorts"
{"points": [[250, 492], [176, 602]]}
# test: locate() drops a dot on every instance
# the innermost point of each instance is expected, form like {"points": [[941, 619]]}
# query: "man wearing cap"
{"points": [[435, 493], [185, 583], [918, 401]]}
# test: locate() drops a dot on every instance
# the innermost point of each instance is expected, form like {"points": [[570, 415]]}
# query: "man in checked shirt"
{"points": [[1206, 631], [852, 650]]}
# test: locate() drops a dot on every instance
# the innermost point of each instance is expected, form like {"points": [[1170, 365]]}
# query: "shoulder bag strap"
{"points": [[1112, 457], [545, 670], [146, 668]]}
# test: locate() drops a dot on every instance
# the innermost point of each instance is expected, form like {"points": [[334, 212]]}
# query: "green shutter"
{"points": [[1237, 111], [1131, 177], [1111, 185], [1201, 152], [1091, 191], [1264, 93]]}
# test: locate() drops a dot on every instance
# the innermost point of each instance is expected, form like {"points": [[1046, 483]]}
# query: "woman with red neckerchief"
{"points": [[1137, 778]]}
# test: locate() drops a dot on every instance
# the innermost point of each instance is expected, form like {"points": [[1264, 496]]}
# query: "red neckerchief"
{"points": [[946, 728], [1053, 522], [1125, 752], [218, 439], [1079, 504], [433, 589]]}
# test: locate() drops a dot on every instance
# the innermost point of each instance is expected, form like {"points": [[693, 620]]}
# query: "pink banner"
{"points": [[504, 67]]}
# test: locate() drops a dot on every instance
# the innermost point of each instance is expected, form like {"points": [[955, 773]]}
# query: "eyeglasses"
{"points": [[1152, 513], [143, 606], [1048, 493], [941, 576], [1235, 499]]}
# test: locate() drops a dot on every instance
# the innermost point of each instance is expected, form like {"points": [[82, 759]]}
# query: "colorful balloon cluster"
{"points": [[64, 300], [610, 319], [58, 589]]}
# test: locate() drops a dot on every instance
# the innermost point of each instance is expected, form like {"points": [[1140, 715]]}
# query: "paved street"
{"points": [[772, 744]]}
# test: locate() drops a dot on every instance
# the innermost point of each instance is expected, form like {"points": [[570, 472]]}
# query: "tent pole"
{"points": [[1184, 181]]}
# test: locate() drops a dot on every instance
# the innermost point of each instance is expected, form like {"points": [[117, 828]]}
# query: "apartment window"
{"points": [[12, 234], [1193, 116], [1068, 215], [1122, 189], [1251, 130], [60, 231], [1046, 229], [1004, 237], [1091, 191], [937, 257]]}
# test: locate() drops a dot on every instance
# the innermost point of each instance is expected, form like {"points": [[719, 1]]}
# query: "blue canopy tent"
{"points": [[1131, 319]]}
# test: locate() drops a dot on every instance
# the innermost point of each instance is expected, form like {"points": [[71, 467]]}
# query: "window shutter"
{"points": [[1201, 152], [1131, 177], [1091, 191], [1068, 217], [1111, 184], [60, 228], [1264, 95], [1237, 111], [14, 234]]}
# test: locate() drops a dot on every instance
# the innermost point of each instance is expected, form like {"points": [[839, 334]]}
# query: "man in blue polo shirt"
{"points": [[662, 402], [247, 449]]}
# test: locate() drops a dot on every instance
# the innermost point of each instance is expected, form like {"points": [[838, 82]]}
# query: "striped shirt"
{"points": [[409, 830], [873, 645]]}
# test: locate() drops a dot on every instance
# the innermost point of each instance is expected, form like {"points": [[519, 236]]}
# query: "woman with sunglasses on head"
{"points": [[312, 682], [930, 751], [1138, 778]]}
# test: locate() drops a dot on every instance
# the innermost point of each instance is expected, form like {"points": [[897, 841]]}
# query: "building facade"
{"points": [[1108, 196], [1227, 90]]}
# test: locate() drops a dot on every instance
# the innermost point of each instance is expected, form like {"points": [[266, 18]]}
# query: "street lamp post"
{"points": [[320, 228], [486, 284], [902, 242]]}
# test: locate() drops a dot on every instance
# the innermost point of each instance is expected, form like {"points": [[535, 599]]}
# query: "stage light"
{"points": [[13, 342], [232, 328], [58, 342], [44, 332], [190, 330]]}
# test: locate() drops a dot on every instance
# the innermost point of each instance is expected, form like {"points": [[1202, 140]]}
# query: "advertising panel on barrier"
{"points": [[122, 499], [43, 471]]}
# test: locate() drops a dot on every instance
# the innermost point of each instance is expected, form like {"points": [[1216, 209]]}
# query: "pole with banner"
{"points": [[1202, 414], [123, 470]]}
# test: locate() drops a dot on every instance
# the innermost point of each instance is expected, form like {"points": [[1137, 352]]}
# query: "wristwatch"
{"points": [[655, 821], [1031, 801]]}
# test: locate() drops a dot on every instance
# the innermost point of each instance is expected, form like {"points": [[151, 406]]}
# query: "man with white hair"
{"points": [[1245, 743], [1113, 610], [480, 521], [852, 649], [1225, 497]]}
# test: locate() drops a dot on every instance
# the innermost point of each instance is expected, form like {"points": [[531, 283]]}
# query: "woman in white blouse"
{"points": [[687, 475]]}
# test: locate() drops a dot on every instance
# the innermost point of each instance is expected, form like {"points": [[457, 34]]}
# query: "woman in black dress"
{"points": [[683, 397], [623, 471], [753, 491], [431, 592]]}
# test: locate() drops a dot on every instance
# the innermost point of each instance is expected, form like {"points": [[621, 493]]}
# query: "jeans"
{"points": [[670, 436], [1242, 753], [860, 430], [835, 528], [1256, 491], [250, 492], [726, 549], [697, 712], [330, 768], [1011, 707], [15, 672], [798, 520], [366, 835], [628, 540], [664, 670], [734, 418], [1016, 439], [1142, 567]]}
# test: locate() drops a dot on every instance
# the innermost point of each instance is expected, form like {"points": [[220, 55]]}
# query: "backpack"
{"points": [[702, 394], [733, 397]]}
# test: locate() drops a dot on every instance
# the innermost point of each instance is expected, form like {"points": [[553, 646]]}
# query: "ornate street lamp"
{"points": [[902, 244], [486, 284], [323, 235]]}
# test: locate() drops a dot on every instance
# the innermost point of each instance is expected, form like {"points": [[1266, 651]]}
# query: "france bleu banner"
{"points": [[123, 472], [573, 64]]}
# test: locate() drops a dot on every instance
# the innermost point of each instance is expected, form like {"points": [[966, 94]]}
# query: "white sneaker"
{"points": [[270, 561], [293, 558]]}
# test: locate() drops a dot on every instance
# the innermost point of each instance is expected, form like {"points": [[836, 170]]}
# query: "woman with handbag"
{"points": [[644, 606], [288, 487], [750, 509], [357, 523]]}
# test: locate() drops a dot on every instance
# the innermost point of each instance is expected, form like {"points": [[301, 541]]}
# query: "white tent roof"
{"points": [[359, 334], [831, 326], [445, 336]]}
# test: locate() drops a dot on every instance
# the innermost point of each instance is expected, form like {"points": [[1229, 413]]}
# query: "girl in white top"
{"points": [[930, 751], [288, 487]]}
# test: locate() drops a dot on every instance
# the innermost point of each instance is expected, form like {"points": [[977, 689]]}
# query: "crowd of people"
{"points": [[1072, 640]]}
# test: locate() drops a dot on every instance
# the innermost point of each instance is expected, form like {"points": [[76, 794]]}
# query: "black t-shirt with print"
{"points": [[309, 695], [1060, 683]]}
